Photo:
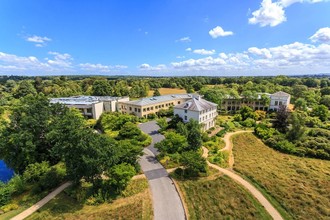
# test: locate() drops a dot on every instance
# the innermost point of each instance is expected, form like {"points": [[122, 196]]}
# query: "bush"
{"points": [[249, 122], [238, 117], [18, 184], [35, 171], [5, 193], [9, 207]]}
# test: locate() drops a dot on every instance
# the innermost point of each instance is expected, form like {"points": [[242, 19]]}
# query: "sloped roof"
{"points": [[82, 100], [280, 93], [196, 104]]}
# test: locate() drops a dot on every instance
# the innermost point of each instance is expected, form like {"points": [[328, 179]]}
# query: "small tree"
{"points": [[321, 111], [193, 164], [156, 93], [297, 129], [281, 122], [120, 175]]}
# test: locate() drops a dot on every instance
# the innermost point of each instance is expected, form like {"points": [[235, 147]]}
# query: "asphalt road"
{"points": [[166, 200]]}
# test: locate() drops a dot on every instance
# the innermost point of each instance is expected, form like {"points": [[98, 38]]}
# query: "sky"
{"points": [[164, 37]]}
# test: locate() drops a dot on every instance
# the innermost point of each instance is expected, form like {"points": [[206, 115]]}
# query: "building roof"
{"points": [[159, 99], [196, 104], [280, 93], [83, 100]]}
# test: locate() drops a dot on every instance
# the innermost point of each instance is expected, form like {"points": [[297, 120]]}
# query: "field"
{"points": [[136, 206], [167, 91], [301, 186], [218, 197]]}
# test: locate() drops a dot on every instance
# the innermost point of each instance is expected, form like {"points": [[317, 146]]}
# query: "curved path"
{"points": [[166, 200], [254, 191]]}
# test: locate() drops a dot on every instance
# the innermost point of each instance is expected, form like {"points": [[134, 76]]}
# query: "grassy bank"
{"points": [[300, 185], [136, 205], [218, 197], [167, 91]]}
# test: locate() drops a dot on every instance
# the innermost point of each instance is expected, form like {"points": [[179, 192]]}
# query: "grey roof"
{"points": [[196, 104], [280, 93], [82, 100], [159, 99]]}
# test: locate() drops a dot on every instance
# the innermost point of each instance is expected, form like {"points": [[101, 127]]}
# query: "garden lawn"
{"points": [[219, 197], [136, 205], [300, 185]]}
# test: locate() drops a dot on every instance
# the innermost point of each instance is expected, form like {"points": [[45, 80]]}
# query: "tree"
{"points": [[119, 175], [321, 111], [25, 88], [194, 135], [173, 143], [193, 164], [297, 129], [325, 100], [129, 131], [300, 104], [101, 88], [247, 112], [156, 92], [281, 122]]}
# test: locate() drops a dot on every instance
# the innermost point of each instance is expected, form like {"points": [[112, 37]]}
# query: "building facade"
{"points": [[203, 111], [151, 105], [233, 104], [91, 106]]}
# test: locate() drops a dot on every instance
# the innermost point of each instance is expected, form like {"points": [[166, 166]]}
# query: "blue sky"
{"points": [[164, 37]]}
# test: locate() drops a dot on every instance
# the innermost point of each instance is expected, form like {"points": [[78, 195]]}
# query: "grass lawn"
{"points": [[136, 205], [219, 197], [301, 186], [167, 91]]}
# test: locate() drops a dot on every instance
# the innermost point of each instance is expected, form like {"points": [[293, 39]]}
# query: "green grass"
{"points": [[298, 187], [167, 91], [135, 204], [219, 197]]}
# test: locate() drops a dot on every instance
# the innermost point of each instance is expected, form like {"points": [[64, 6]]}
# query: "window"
{"points": [[280, 103], [89, 110], [148, 109], [185, 117], [152, 108], [156, 107], [144, 109], [163, 105], [139, 110], [276, 102], [135, 109], [179, 102], [185, 111], [130, 108]]}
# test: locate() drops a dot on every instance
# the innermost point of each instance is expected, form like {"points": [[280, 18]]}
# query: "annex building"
{"points": [[91, 106], [151, 105], [233, 104], [199, 109]]}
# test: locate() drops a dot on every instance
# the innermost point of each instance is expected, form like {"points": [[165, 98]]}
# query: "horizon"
{"points": [[165, 39]]}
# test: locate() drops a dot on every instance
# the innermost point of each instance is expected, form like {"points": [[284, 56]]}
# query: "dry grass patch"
{"points": [[135, 206], [218, 197], [167, 91], [300, 185]]}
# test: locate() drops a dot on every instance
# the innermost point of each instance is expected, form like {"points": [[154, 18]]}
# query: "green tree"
{"points": [[193, 164], [172, 143], [325, 100], [281, 122], [247, 112], [120, 175], [300, 104], [194, 135], [321, 111], [297, 129], [156, 92], [101, 88], [24, 88]]}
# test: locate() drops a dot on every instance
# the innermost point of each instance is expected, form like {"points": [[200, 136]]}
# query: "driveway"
{"points": [[166, 200]]}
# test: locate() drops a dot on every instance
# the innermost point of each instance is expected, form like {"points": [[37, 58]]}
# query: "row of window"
{"points": [[208, 110], [236, 108], [241, 102]]}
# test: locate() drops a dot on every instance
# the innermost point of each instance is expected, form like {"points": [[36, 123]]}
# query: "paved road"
{"points": [[166, 200]]}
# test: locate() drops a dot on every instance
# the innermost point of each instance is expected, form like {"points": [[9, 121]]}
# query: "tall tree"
{"points": [[281, 122], [101, 88]]}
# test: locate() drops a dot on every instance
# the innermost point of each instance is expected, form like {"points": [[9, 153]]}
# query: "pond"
{"points": [[5, 172]]}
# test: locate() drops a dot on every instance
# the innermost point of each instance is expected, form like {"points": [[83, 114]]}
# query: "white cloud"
{"points": [[39, 41], [61, 60], [204, 52], [180, 57], [270, 13], [219, 32], [322, 35], [188, 49], [184, 40], [273, 13], [146, 66], [100, 68]]}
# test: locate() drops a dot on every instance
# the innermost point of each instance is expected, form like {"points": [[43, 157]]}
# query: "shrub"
{"points": [[5, 193], [18, 184], [9, 207], [238, 117], [249, 122], [35, 171]]}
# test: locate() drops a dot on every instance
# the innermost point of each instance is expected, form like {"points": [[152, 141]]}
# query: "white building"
{"points": [[199, 109], [91, 106], [279, 98]]}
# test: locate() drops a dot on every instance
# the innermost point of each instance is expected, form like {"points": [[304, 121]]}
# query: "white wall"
{"points": [[97, 110], [273, 99]]}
